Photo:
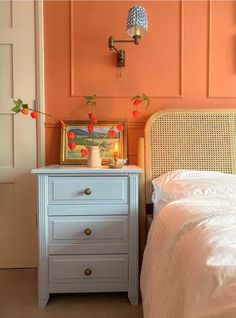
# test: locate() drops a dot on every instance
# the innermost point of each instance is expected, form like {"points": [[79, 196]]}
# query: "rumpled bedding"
{"points": [[189, 264]]}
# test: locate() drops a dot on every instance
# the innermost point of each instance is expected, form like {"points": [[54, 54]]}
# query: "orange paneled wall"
{"points": [[187, 59]]}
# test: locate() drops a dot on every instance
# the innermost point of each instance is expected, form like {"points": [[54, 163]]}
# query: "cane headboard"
{"points": [[196, 139], [203, 139]]}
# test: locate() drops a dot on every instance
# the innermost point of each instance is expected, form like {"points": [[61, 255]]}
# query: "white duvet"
{"points": [[189, 265]]}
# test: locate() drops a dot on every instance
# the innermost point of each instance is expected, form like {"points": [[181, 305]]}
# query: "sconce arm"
{"points": [[111, 42]]}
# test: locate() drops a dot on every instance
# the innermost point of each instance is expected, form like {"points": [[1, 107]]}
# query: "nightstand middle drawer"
{"points": [[88, 190], [88, 228], [88, 234]]}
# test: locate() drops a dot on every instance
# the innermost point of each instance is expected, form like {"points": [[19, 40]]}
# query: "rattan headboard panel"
{"points": [[180, 139]]}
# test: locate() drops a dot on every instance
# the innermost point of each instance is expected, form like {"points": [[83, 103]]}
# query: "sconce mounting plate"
{"points": [[121, 58]]}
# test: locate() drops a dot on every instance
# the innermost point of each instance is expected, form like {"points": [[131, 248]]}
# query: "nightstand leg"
{"points": [[134, 300], [133, 291], [42, 303], [43, 294]]}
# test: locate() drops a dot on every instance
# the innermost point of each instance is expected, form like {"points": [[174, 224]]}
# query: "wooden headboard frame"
{"points": [[202, 139]]}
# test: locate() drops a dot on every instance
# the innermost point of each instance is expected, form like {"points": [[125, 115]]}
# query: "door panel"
{"points": [[6, 70], [6, 141], [5, 14], [18, 148]]}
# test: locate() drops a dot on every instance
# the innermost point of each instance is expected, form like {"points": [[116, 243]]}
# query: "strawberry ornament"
{"points": [[120, 127], [70, 135], [112, 133], [21, 107], [84, 152], [25, 110], [137, 101], [34, 115], [72, 145], [94, 121], [136, 113], [91, 101], [90, 128], [90, 116]]}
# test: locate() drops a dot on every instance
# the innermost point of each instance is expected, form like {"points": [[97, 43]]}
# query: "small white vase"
{"points": [[94, 156]]}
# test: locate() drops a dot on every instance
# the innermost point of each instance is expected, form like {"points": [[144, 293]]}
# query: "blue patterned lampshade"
{"points": [[137, 23]]}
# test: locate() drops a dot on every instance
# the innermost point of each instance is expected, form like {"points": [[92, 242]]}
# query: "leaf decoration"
{"points": [[18, 105], [16, 109], [146, 99], [136, 97], [91, 100], [18, 102], [143, 98]]}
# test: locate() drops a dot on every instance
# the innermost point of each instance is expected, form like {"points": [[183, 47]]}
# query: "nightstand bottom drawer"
{"points": [[88, 269]]}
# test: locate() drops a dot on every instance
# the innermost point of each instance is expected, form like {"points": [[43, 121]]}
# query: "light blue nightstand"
{"points": [[88, 230]]}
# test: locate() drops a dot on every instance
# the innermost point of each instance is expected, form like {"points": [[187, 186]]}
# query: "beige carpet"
{"points": [[18, 299]]}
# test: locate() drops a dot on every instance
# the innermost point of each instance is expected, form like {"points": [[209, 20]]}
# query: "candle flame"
{"points": [[116, 146]]}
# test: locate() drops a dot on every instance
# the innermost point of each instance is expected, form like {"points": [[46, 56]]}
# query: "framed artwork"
{"points": [[83, 138]]}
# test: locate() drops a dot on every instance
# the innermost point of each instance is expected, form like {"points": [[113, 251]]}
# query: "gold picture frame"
{"points": [[83, 138]]}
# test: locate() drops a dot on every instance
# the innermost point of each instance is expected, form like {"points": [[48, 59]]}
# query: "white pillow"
{"points": [[180, 184]]}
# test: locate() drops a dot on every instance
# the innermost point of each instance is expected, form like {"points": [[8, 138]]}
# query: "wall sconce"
{"points": [[137, 26]]}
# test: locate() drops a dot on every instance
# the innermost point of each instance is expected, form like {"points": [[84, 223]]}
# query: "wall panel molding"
{"points": [[72, 59], [209, 52], [210, 94], [131, 125]]}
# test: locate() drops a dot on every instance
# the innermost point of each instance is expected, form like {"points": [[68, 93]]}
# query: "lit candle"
{"points": [[116, 153]]}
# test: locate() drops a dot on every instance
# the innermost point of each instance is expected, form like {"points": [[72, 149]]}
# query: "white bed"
{"points": [[189, 264]]}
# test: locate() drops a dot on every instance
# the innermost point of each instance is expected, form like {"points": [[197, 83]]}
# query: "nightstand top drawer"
{"points": [[88, 190]]}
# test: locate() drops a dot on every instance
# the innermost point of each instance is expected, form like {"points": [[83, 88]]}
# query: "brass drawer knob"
{"points": [[87, 231], [87, 191], [88, 272]]}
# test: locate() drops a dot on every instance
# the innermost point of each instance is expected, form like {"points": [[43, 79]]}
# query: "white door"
{"points": [[18, 148]]}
